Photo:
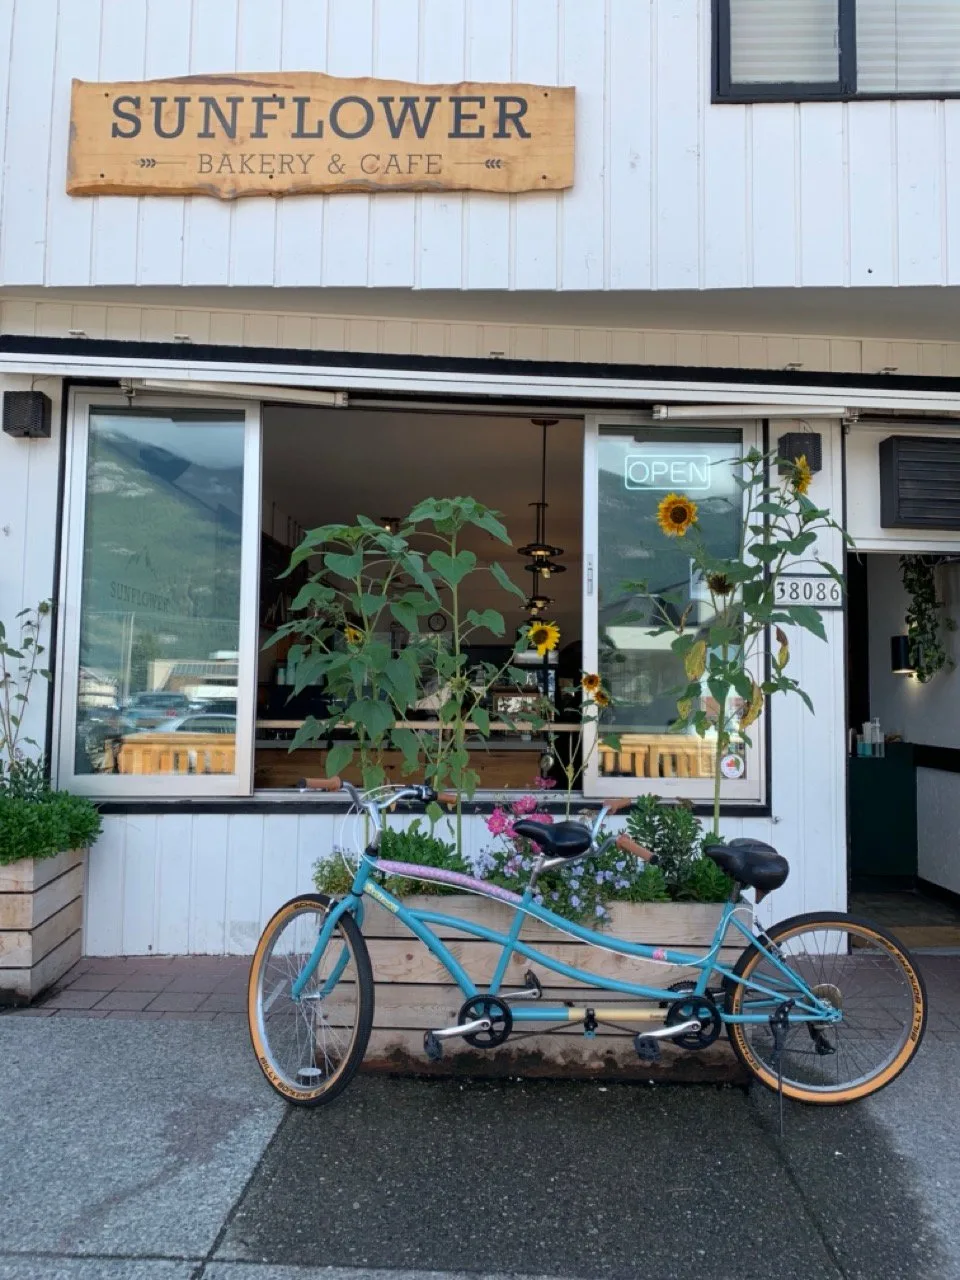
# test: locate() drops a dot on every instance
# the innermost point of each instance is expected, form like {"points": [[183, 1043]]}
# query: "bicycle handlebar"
{"points": [[426, 794], [626, 845]]}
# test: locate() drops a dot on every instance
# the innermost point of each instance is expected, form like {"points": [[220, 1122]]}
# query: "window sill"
{"points": [[291, 801]]}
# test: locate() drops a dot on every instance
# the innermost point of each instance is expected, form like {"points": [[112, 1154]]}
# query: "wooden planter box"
{"points": [[41, 923], [414, 992]]}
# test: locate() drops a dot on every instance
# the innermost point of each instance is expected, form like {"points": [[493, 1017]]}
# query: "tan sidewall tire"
{"points": [[864, 928], [344, 1073]]}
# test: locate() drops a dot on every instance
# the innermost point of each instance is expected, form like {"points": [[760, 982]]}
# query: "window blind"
{"points": [[785, 41], [908, 46]]}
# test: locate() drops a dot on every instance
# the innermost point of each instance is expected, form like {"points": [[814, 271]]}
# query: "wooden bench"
{"points": [[153, 753]]}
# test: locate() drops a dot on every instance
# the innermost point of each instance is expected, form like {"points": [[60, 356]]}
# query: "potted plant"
{"points": [[673, 904], [43, 835]]}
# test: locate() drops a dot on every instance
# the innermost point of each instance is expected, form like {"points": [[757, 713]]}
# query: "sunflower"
{"points": [[801, 475], [719, 584], [353, 635], [589, 683], [544, 637], [675, 514], [601, 699]]}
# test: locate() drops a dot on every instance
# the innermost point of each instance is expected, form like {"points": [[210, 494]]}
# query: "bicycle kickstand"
{"points": [[779, 1025]]}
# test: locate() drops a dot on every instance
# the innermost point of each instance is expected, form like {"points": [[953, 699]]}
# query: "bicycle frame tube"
{"points": [[807, 1007]]}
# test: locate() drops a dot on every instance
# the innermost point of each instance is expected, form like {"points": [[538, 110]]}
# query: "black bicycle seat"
{"points": [[750, 862], [561, 840]]}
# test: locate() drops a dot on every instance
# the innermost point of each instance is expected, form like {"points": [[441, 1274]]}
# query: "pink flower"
{"points": [[545, 818], [498, 822], [544, 784], [526, 804]]}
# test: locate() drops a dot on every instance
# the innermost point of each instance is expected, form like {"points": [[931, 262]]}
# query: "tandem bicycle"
{"points": [[823, 1007]]}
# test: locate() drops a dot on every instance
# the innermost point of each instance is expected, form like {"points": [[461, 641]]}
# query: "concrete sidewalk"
{"points": [[152, 1148]]}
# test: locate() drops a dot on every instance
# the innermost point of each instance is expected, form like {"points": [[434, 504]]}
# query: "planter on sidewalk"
{"points": [[41, 923], [414, 992]]}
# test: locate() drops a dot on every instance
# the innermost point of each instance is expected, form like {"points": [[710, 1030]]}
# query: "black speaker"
{"points": [[807, 444], [27, 414]]}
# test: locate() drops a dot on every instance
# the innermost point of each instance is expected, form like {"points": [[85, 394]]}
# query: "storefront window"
{"points": [[645, 579], [159, 613]]}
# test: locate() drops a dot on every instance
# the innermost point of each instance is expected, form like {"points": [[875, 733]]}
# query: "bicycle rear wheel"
{"points": [[859, 968], [309, 1049]]}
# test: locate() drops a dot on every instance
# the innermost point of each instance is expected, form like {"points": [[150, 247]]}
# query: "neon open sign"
{"points": [[687, 471]]}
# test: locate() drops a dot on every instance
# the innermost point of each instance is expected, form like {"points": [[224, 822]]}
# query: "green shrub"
{"points": [[675, 834], [411, 844], [44, 824]]}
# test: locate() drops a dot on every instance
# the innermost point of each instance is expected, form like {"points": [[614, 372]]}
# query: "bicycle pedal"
{"points": [[432, 1046], [647, 1050]]}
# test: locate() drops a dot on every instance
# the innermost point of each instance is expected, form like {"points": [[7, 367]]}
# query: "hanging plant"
{"points": [[925, 621]]}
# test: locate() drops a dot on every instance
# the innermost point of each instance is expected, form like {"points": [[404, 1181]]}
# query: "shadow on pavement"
{"points": [[583, 1180]]}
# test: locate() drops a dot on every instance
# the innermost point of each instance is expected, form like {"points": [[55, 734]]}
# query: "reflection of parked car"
{"points": [[145, 710], [215, 706], [200, 723]]}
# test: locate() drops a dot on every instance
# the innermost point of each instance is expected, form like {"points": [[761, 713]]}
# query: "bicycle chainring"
{"points": [[704, 1009], [501, 1020]]}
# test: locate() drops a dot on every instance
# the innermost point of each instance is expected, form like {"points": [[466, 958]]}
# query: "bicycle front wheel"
{"points": [[857, 967], [309, 1048]]}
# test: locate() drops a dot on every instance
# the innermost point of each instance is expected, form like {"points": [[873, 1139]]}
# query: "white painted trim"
{"points": [[534, 386], [108, 786]]}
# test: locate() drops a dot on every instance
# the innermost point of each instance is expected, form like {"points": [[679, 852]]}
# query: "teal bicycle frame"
{"points": [[766, 996]]}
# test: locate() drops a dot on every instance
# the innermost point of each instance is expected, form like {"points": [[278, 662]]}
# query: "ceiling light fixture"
{"points": [[542, 553]]}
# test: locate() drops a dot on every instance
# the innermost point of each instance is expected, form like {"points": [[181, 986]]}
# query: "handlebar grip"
{"points": [[626, 845], [320, 784], [447, 797], [614, 806]]}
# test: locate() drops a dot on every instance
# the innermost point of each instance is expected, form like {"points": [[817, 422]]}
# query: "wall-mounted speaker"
{"points": [[801, 444], [27, 414]]}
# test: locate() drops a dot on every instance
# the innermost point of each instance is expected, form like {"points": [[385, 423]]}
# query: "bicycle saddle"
{"points": [[561, 840], [750, 862]]}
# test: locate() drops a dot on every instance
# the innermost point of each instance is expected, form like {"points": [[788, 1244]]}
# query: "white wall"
{"points": [[924, 713], [938, 827], [671, 192], [28, 516]]}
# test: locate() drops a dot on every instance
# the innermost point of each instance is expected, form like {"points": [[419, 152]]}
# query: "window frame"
{"points": [[109, 787], [750, 791], [844, 89]]}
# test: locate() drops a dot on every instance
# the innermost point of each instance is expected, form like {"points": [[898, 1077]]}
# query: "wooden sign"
{"points": [[288, 133]]}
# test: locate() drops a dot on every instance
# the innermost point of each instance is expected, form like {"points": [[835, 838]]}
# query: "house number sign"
{"points": [[809, 588], [288, 133]]}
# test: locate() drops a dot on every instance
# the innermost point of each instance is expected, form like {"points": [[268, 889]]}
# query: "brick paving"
{"points": [[185, 988], [213, 988]]}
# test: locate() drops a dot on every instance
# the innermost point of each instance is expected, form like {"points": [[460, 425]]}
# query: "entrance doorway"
{"points": [[903, 759]]}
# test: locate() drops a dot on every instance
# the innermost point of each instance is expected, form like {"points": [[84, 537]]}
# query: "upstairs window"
{"points": [[792, 50]]}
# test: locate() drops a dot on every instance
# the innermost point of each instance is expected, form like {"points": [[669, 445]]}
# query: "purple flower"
{"points": [[575, 900], [600, 913]]}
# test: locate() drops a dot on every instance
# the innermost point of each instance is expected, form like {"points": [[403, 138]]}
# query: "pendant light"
{"points": [[543, 555]]}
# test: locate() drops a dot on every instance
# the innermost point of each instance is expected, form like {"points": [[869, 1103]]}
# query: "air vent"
{"points": [[919, 483]]}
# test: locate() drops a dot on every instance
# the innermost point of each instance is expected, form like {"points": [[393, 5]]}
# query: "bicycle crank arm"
{"points": [[464, 1029], [668, 1033]]}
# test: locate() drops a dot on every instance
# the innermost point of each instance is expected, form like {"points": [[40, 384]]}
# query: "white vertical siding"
{"points": [[671, 192], [28, 519]]}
